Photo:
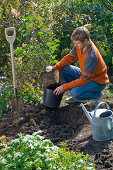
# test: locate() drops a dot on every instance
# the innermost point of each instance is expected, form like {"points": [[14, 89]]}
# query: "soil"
{"points": [[68, 123]]}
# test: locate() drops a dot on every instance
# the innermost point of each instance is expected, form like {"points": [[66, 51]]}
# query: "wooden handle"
{"points": [[10, 39]]}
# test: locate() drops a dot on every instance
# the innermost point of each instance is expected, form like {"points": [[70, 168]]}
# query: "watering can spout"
{"points": [[86, 112]]}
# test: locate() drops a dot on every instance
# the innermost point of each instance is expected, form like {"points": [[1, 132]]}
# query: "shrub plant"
{"points": [[36, 54]]}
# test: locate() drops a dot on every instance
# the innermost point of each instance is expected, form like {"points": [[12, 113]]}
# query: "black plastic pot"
{"points": [[50, 99]]}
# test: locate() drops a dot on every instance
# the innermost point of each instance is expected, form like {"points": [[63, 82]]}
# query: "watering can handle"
{"points": [[10, 39], [108, 107]]}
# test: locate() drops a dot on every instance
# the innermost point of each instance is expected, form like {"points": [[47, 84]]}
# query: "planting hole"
{"points": [[53, 86]]}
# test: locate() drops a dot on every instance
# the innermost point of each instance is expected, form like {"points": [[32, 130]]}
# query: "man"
{"points": [[88, 81]]}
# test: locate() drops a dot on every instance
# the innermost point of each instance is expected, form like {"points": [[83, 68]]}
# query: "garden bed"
{"points": [[67, 123]]}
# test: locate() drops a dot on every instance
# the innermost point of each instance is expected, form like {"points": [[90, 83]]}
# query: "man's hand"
{"points": [[48, 68], [58, 90]]}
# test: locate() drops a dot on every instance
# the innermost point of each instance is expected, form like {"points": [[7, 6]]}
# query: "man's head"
{"points": [[80, 37], [80, 34]]}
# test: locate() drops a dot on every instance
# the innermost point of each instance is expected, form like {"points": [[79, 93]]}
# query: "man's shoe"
{"points": [[72, 100]]}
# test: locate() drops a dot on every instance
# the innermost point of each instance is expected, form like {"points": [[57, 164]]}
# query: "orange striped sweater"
{"points": [[92, 65]]}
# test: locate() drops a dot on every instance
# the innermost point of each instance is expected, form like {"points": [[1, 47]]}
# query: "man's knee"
{"points": [[65, 69], [75, 93]]}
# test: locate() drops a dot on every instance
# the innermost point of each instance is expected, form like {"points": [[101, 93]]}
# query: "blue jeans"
{"points": [[91, 90]]}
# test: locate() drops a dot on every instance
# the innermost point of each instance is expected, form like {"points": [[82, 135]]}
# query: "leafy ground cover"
{"points": [[34, 152]]}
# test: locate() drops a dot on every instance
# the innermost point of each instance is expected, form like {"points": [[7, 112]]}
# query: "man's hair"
{"points": [[80, 34]]}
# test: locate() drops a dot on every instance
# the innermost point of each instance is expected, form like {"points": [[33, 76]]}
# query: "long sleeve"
{"points": [[67, 60], [75, 83]]}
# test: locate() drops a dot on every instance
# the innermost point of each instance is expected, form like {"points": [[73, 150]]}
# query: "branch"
{"points": [[108, 6]]}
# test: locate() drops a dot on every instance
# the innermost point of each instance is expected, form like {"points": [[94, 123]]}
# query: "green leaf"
{"points": [[49, 44], [41, 19], [40, 33]]}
